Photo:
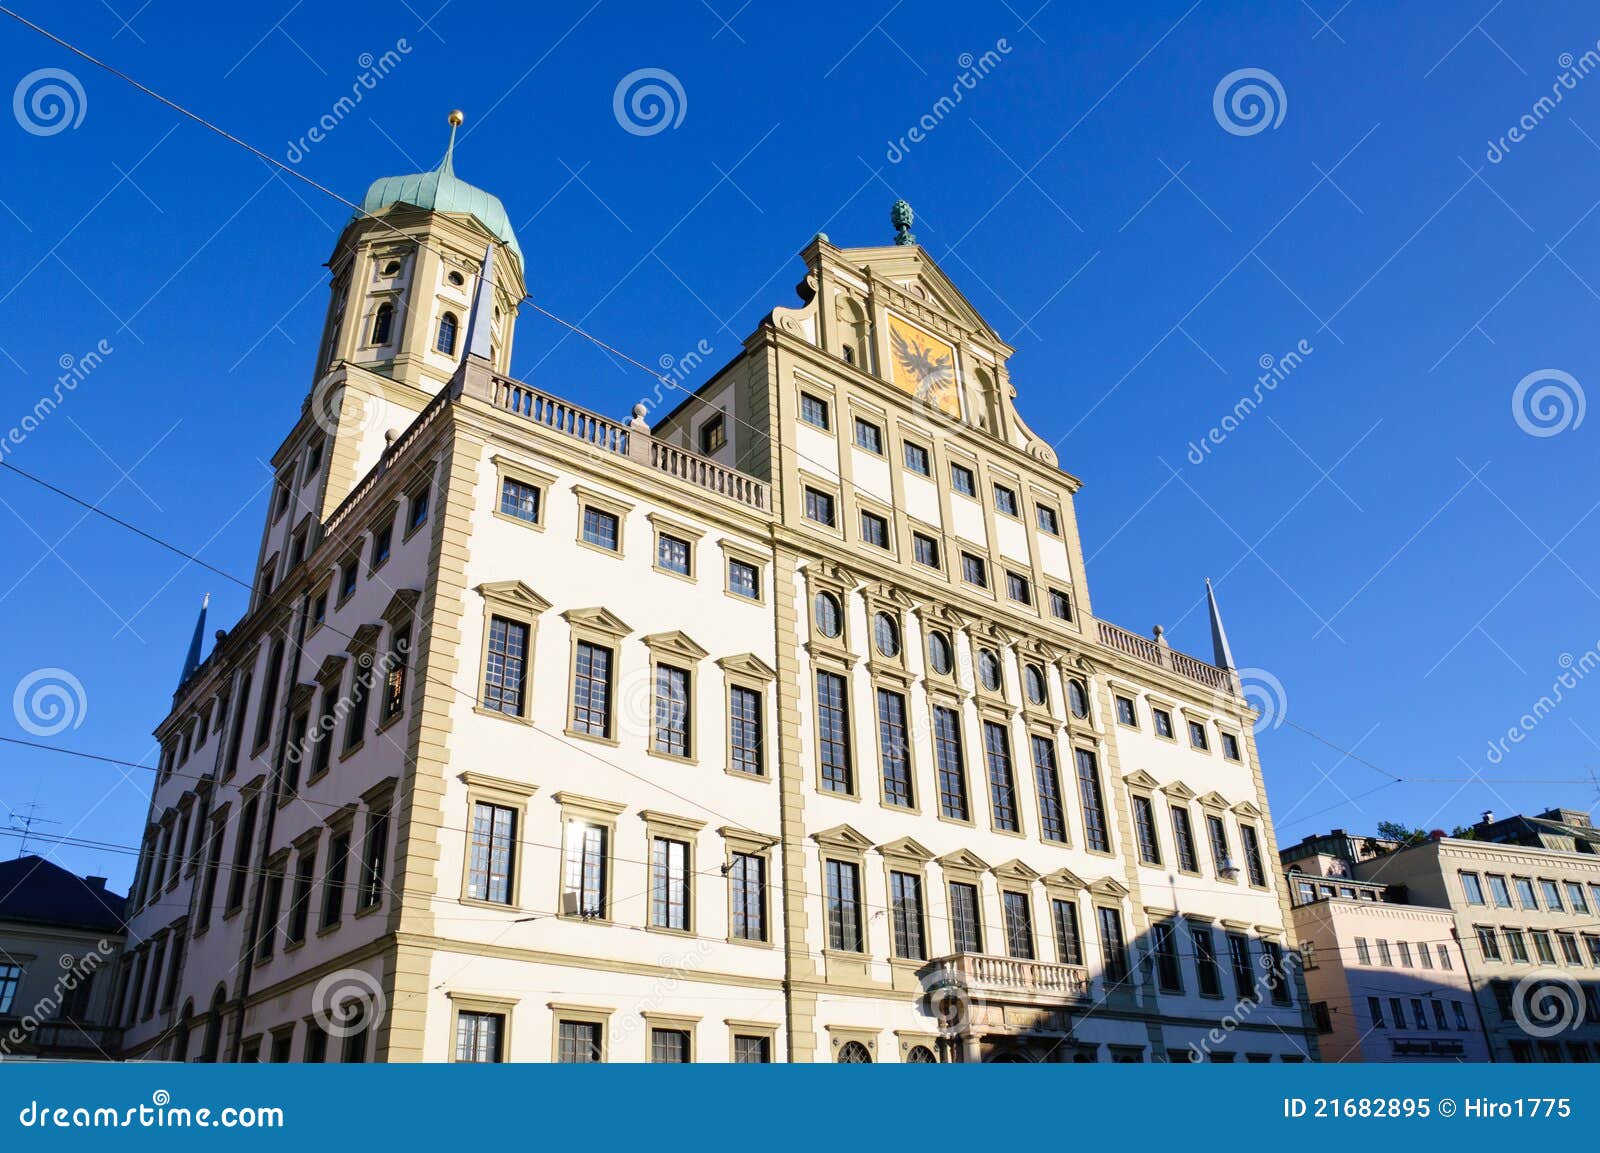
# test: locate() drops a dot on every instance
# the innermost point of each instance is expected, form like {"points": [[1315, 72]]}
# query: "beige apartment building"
{"points": [[783, 729]]}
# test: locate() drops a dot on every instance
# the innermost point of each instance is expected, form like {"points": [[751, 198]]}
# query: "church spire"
{"points": [[1221, 654], [447, 165], [192, 661]]}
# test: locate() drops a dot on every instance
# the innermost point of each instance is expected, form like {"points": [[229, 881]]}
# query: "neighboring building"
{"points": [[1387, 981], [1528, 918], [784, 731], [1566, 830], [60, 941]]}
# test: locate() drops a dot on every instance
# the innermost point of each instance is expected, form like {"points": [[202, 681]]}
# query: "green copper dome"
{"points": [[443, 191]]}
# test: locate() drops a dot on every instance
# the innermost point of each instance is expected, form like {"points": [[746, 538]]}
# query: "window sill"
{"points": [[327, 929], [966, 823], [750, 944], [352, 750], [613, 553], [384, 726], [368, 910], [686, 577], [414, 530], [1018, 833], [758, 601], [837, 794], [502, 715], [536, 525], [315, 777], [676, 758], [582, 736], [740, 774], [485, 903], [291, 947]]}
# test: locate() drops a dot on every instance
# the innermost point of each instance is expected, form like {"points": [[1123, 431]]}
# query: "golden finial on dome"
{"points": [[456, 118]]}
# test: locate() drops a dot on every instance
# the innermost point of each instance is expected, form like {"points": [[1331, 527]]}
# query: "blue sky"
{"points": [[1390, 544]]}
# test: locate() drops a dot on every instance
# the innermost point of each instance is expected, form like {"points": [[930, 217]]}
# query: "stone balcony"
{"points": [[979, 976]]}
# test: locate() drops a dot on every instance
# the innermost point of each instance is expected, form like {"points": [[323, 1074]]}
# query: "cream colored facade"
{"points": [[762, 844]]}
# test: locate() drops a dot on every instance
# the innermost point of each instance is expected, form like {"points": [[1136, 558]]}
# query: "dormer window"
{"points": [[446, 343], [383, 323]]}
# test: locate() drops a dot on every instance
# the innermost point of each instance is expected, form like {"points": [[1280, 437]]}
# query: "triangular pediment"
{"points": [[843, 837], [1247, 810], [1016, 871], [1109, 887], [676, 643], [964, 860], [401, 606], [365, 638], [1214, 800], [601, 620], [1139, 779], [1178, 791], [906, 848], [887, 594], [917, 285], [516, 593], [332, 668], [747, 665], [1064, 879], [831, 573]]}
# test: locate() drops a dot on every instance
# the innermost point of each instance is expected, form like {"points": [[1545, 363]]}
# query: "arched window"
{"points": [[383, 323], [827, 613], [213, 1039], [854, 1053], [886, 632], [180, 1039], [921, 1055], [939, 653], [447, 334]]}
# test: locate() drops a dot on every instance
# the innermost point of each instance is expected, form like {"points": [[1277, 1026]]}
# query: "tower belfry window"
{"points": [[446, 343], [383, 323]]}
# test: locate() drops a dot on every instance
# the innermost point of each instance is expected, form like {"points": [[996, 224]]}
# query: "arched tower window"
{"points": [[212, 1045], [383, 323], [854, 1053], [446, 343]]}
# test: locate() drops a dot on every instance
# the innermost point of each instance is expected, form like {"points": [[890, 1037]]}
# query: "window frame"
{"points": [[543, 483], [501, 793]]}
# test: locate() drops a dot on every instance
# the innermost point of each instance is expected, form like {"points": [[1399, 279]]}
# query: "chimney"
{"points": [[1488, 817], [96, 883]]}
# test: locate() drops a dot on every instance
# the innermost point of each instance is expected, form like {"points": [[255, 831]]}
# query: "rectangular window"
{"points": [[245, 833], [374, 862], [748, 876], [1500, 891], [1049, 520], [600, 528], [1489, 943], [1517, 944], [382, 543], [874, 530], [671, 732], [1183, 839], [1254, 867], [1221, 855], [1277, 973], [963, 480], [869, 436], [744, 720], [1060, 605], [333, 879], [1005, 500], [1405, 953], [669, 884], [1113, 949], [1385, 954], [1239, 957], [713, 434], [1375, 1011], [1205, 961], [271, 903], [506, 670], [591, 690], [1095, 833], [1439, 1020], [1230, 747], [1164, 944], [669, 1047], [1052, 817], [578, 1043], [751, 1050], [1019, 925], [394, 681], [1591, 942], [1019, 589], [1575, 898], [300, 899], [1126, 713], [814, 410], [1197, 736], [1363, 953], [520, 500], [974, 571], [1397, 1013], [417, 511], [1069, 941], [925, 550], [1460, 1015], [950, 763], [1444, 958], [894, 749], [744, 580], [478, 1037], [966, 926], [1542, 948], [672, 554], [844, 907], [905, 898], [347, 579], [833, 734], [1472, 888], [819, 507], [1144, 827], [1002, 787], [492, 853], [585, 879], [1552, 896], [1425, 955], [355, 724], [916, 458], [1525, 895]]}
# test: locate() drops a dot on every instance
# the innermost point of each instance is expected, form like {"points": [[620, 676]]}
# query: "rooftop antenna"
{"points": [[23, 820]]}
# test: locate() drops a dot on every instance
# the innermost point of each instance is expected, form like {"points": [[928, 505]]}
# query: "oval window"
{"points": [[456, 279], [827, 613], [939, 653], [1078, 698], [392, 268], [886, 632], [989, 669], [1038, 691]]}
